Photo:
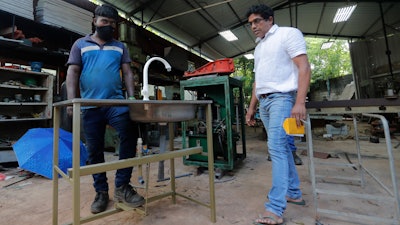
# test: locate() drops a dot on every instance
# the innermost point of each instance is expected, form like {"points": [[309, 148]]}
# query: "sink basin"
{"points": [[164, 110]]}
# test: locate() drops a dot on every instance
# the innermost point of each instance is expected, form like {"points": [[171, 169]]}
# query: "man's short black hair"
{"points": [[263, 10], [106, 11]]}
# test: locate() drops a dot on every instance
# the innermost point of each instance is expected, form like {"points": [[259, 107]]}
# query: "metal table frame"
{"points": [[364, 107], [74, 173]]}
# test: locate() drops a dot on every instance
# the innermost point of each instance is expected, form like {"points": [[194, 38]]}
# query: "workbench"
{"points": [[73, 175], [367, 108]]}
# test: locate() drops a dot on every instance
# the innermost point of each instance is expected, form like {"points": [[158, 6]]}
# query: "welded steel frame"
{"points": [[367, 108], [74, 173]]}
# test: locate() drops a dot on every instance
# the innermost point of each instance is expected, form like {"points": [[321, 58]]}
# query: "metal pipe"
{"points": [[391, 160], [388, 52], [162, 150], [189, 11], [139, 155], [311, 166], [145, 89], [360, 167]]}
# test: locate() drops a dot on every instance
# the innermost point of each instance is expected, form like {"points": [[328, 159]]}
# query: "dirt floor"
{"points": [[240, 193]]}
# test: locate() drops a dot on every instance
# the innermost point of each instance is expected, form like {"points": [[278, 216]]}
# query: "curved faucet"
{"points": [[145, 89]]}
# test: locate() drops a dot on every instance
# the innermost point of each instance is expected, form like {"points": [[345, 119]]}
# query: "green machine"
{"points": [[228, 121]]}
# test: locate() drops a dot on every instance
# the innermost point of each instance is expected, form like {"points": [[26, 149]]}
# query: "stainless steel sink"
{"points": [[164, 110]]}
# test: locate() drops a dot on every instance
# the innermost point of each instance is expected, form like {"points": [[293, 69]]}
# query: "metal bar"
{"points": [[160, 196], [172, 169], [355, 110], [336, 108], [171, 134], [388, 53], [358, 216], [56, 135], [352, 194], [115, 102], [339, 178], [98, 216], [124, 207], [107, 166], [228, 123], [336, 164], [187, 12], [76, 172], [237, 117], [147, 187], [378, 181], [370, 102], [242, 123], [311, 166], [59, 171], [391, 160], [162, 147], [193, 200], [210, 151], [76, 130], [360, 171]]}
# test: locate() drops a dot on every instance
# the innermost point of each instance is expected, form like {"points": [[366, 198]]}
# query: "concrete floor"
{"points": [[240, 194]]}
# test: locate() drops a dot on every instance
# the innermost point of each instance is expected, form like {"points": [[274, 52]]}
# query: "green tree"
{"points": [[244, 71], [328, 63]]}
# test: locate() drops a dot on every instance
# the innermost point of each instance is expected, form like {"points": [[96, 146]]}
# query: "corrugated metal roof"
{"points": [[196, 23]]}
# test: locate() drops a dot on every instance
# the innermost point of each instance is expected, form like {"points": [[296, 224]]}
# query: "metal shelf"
{"points": [[23, 87], [23, 119], [24, 71], [23, 103]]}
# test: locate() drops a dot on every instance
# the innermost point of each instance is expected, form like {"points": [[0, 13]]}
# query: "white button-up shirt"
{"points": [[273, 65]]}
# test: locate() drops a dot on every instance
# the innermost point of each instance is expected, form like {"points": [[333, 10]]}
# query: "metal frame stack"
{"points": [[355, 107]]}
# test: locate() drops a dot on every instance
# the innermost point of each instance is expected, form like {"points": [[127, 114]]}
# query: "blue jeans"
{"points": [[94, 125], [274, 109], [291, 144]]}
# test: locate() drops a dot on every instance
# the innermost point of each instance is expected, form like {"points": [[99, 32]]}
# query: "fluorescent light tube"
{"points": [[343, 14], [228, 35]]}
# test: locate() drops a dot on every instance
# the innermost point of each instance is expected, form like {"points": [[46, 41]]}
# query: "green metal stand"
{"points": [[227, 96]]}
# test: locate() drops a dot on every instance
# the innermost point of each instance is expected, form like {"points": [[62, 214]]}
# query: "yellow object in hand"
{"points": [[291, 128]]}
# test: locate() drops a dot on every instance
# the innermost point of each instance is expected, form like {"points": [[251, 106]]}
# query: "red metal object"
{"points": [[220, 66]]}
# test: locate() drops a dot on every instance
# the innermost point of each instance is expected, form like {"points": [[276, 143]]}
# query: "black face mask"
{"points": [[105, 33]]}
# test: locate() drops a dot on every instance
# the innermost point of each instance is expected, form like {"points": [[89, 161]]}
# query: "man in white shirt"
{"points": [[282, 78]]}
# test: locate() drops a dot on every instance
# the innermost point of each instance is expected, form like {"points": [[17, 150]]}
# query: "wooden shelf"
{"points": [[23, 87], [22, 119], [24, 71], [23, 103]]}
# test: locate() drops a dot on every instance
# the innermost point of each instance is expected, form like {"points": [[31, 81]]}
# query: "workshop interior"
{"points": [[187, 89]]}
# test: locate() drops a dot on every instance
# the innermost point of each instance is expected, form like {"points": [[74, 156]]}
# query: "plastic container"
{"points": [[37, 98], [36, 66], [220, 66]]}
